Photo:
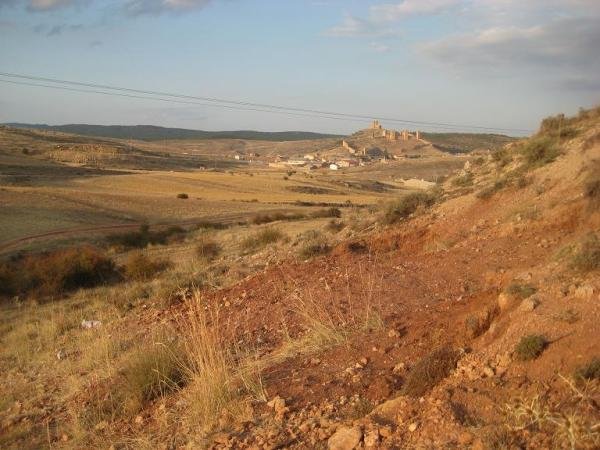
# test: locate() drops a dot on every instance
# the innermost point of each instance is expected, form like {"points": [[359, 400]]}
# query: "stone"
{"points": [[584, 292], [488, 371], [372, 439], [465, 438], [412, 427], [505, 301], [529, 304], [345, 438], [89, 324]]}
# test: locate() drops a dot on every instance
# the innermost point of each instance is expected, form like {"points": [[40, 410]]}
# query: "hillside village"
{"points": [[369, 146]]}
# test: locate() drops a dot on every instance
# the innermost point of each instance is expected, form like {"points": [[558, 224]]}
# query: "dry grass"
{"points": [[328, 324], [430, 370], [261, 239], [405, 206], [222, 379], [139, 267]]}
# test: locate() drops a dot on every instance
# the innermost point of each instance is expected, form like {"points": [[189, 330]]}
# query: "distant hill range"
{"points": [[155, 133]]}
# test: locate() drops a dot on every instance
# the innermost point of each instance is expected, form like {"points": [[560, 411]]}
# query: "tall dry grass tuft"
{"points": [[353, 310], [222, 378]]}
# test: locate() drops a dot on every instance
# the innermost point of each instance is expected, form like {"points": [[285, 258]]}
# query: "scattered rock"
{"points": [[372, 439], [345, 439], [505, 301], [584, 292], [88, 324], [529, 304], [412, 427]]}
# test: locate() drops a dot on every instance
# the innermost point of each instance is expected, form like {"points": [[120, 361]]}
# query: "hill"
{"points": [[155, 133], [467, 142], [464, 317]]}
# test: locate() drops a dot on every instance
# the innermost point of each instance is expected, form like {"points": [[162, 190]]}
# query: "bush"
{"points": [[330, 212], [183, 196], [540, 150], [428, 372], [587, 258], [590, 371], [404, 207], [463, 181], [144, 237], [56, 273], [150, 373], [208, 249], [530, 347], [261, 239], [591, 187], [314, 248], [260, 219], [521, 291], [140, 267]]}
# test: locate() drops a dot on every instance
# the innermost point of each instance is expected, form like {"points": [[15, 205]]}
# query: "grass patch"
{"points": [[333, 226], [530, 347], [587, 256], [150, 373], [430, 370], [465, 180], [140, 267], [315, 245], [260, 219], [520, 291], [489, 191], [324, 213], [208, 249], [183, 196], [405, 206], [221, 377], [261, 239]]}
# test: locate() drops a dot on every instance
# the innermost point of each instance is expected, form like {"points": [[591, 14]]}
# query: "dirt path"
{"points": [[227, 219]]}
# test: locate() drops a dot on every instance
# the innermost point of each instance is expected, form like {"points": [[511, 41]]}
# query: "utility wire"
{"points": [[248, 106]]}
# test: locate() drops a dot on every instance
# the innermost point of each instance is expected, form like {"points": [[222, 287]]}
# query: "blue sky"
{"points": [[496, 63]]}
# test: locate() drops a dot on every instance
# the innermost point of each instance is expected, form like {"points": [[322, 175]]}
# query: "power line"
{"points": [[236, 104], [88, 91]]}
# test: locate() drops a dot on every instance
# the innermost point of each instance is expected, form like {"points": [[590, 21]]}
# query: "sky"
{"points": [[503, 64]]}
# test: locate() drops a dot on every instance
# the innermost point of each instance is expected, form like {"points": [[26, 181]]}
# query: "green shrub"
{"points": [[587, 257], [530, 347], [405, 206], [183, 196], [540, 150], [430, 370], [521, 291], [589, 371], [140, 267], [261, 239]]}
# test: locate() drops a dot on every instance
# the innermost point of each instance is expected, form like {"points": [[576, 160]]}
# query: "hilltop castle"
{"points": [[392, 135]]}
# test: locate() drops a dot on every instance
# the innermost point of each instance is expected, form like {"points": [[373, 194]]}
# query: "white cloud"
{"points": [[48, 5], [407, 8]]}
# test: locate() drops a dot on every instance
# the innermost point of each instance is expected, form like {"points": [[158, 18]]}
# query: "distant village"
{"points": [[366, 149]]}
